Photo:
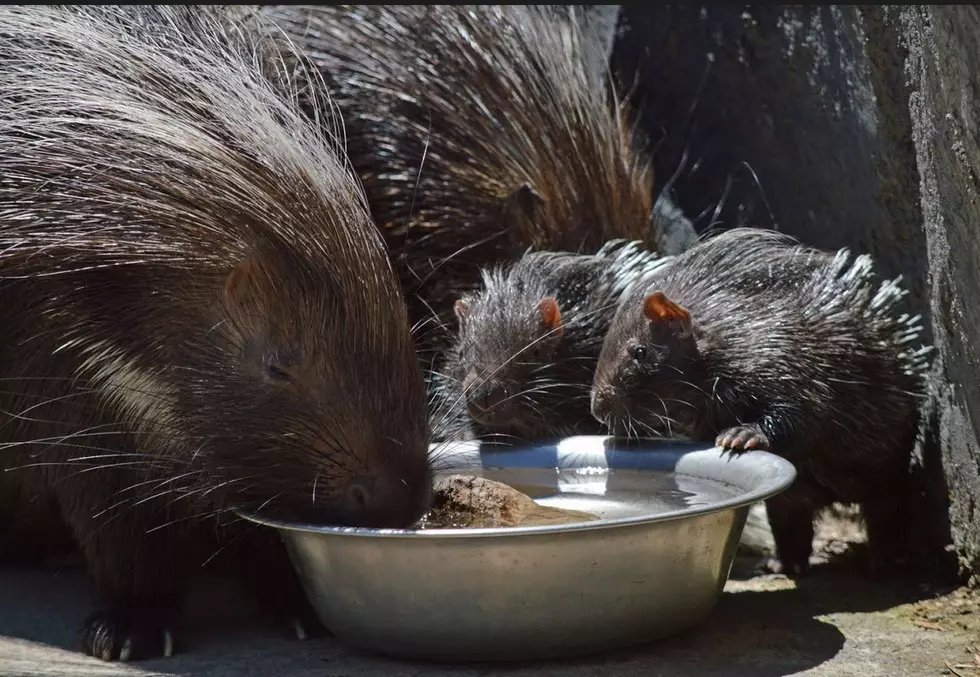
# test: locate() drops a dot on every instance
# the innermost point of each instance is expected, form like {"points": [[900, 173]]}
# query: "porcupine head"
{"points": [[651, 368], [499, 352], [294, 396]]}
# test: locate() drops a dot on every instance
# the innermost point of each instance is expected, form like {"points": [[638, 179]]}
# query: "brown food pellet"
{"points": [[465, 501]]}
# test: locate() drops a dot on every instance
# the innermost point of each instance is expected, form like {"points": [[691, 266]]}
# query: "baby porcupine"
{"points": [[522, 362], [752, 340]]}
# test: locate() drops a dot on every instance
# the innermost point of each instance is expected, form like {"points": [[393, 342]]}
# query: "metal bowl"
{"points": [[522, 593]]}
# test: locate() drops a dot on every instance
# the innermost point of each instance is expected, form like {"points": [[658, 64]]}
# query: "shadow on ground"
{"points": [[835, 622]]}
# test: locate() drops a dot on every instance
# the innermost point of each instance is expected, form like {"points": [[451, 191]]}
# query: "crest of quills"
{"points": [[202, 313], [478, 133]]}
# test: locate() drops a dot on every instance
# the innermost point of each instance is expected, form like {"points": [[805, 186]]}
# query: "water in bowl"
{"points": [[614, 493]]}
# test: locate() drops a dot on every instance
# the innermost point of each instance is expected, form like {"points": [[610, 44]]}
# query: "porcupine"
{"points": [[755, 341], [522, 363], [478, 133], [200, 314]]}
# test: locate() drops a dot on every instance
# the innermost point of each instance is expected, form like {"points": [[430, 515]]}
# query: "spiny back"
{"points": [[451, 109], [587, 288], [746, 280], [489, 97], [170, 139]]}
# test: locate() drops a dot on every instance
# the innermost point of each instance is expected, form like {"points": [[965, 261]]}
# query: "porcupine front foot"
{"points": [[269, 576], [741, 438], [127, 633], [792, 530], [791, 517], [138, 558], [887, 522]]}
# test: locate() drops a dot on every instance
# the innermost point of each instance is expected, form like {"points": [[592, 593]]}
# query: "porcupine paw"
{"points": [[304, 622], [742, 438], [792, 569], [290, 610], [126, 634]]}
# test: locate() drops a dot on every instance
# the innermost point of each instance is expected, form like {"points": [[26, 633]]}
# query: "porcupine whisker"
{"points": [[545, 388], [22, 415], [128, 502], [517, 395], [415, 190], [156, 481], [91, 431], [173, 489], [630, 430], [679, 401], [118, 464], [663, 415], [146, 459], [188, 518], [102, 456], [61, 464], [458, 252], [234, 541], [647, 428], [111, 429], [693, 386], [433, 317]]}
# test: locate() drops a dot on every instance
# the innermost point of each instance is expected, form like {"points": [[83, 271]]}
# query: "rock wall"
{"points": [[943, 68], [845, 126]]}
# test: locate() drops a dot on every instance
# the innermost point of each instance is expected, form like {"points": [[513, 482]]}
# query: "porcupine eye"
{"points": [[639, 353], [274, 367], [275, 373]]}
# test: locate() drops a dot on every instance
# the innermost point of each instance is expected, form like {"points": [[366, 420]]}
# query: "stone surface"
{"points": [[835, 624], [844, 126], [944, 71]]}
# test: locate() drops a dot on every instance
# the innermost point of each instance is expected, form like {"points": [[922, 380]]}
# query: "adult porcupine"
{"points": [[478, 133], [522, 363], [755, 341], [199, 312]]}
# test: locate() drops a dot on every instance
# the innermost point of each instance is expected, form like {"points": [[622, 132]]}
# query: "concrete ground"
{"points": [[835, 623]]}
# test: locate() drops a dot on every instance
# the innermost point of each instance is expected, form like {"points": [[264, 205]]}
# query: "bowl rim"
{"points": [[781, 474]]}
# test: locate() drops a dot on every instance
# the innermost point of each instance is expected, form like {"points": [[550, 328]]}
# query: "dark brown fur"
{"points": [[199, 312], [758, 342], [478, 133], [522, 363]]}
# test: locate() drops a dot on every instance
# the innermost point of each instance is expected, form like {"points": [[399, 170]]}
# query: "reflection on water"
{"points": [[613, 493]]}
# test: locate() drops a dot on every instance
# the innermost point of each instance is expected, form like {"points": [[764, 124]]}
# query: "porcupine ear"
{"points": [[462, 310], [239, 280], [243, 283], [521, 210], [658, 308], [550, 316]]}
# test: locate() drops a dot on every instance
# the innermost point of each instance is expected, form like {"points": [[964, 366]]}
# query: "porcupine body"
{"points": [[199, 314], [478, 133], [752, 340]]}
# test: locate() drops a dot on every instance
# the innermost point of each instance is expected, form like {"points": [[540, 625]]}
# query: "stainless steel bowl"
{"points": [[542, 591]]}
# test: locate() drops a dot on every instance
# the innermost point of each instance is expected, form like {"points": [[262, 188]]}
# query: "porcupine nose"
{"points": [[378, 502], [602, 399], [483, 402]]}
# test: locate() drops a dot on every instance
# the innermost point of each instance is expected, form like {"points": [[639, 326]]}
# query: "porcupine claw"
{"points": [[773, 565], [299, 628], [742, 438], [126, 635], [306, 625]]}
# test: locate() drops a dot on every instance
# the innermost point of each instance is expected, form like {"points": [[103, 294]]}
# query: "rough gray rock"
{"points": [[943, 67], [844, 126]]}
